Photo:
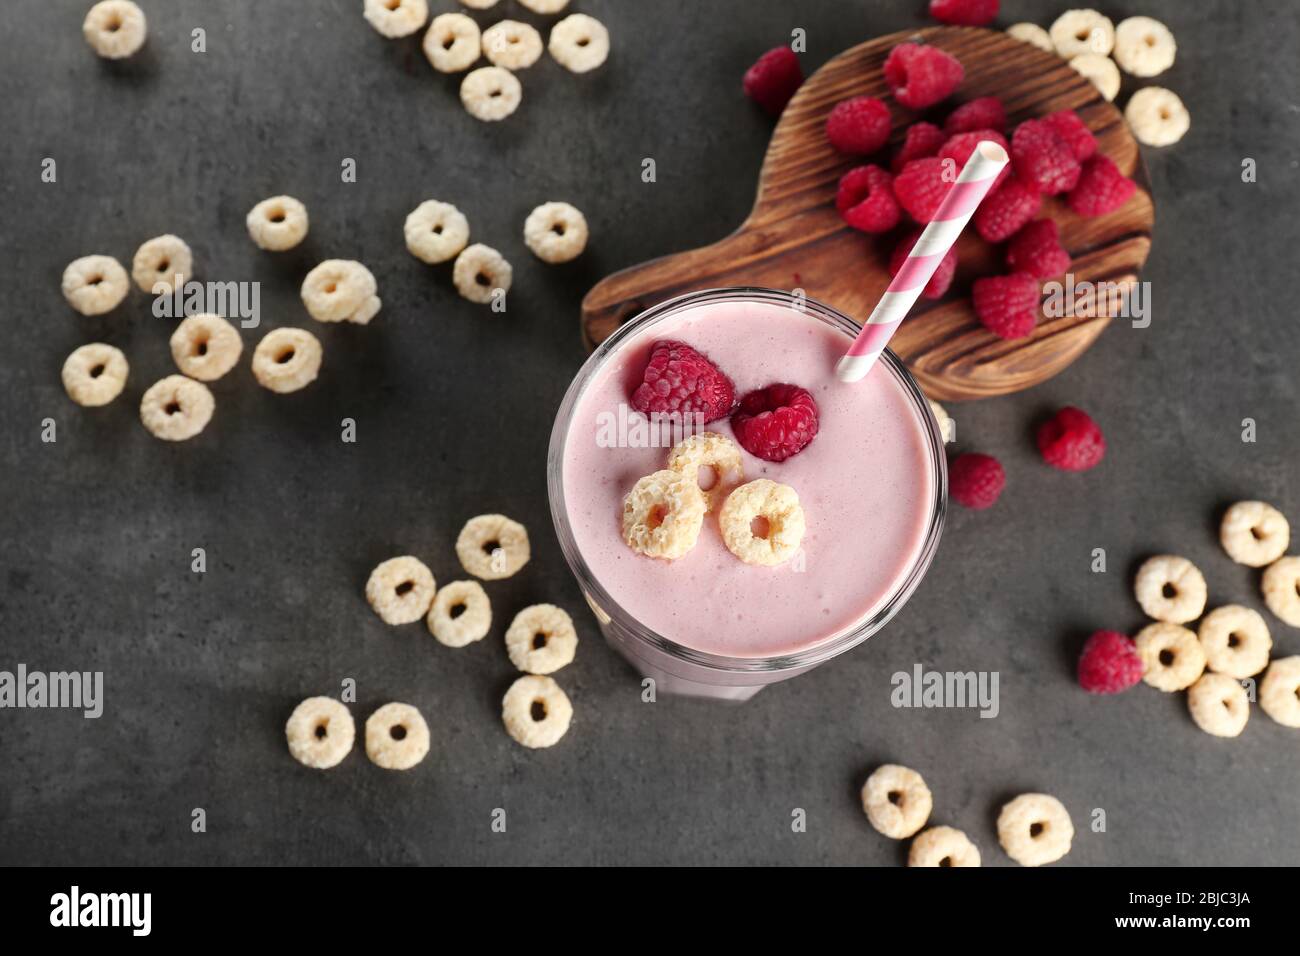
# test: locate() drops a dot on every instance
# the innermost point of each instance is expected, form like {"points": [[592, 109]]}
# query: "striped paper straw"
{"points": [[972, 185]]}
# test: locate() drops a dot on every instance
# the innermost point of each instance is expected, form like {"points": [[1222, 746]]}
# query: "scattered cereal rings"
{"points": [[340, 290], [278, 223], [762, 522], [1157, 116], [396, 18], [453, 43], [1279, 691], [320, 732], [206, 347], [1235, 640], [287, 360], [896, 801], [1034, 829], [1281, 587], [490, 93], [1170, 588], [1033, 34], [1219, 705], [492, 547], [1254, 533], [556, 232], [400, 590], [161, 264], [1172, 657], [397, 738], [1144, 46], [435, 231], [541, 639], [943, 846], [947, 427], [115, 29], [479, 272], [545, 7], [176, 408], [1100, 70], [663, 514], [536, 711], [94, 285], [512, 45], [713, 460], [1082, 31], [94, 374], [579, 43], [461, 614]]}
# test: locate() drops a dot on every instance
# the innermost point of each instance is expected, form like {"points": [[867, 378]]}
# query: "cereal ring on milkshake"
{"points": [[943, 846], [663, 514], [206, 347], [396, 18], [161, 264], [579, 43], [94, 374], [1254, 533], [556, 232], [1235, 640], [762, 522], [397, 738], [401, 590], [453, 43], [278, 223], [1082, 31], [541, 639], [1034, 829], [320, 732], [479, 272], [536, 712], [490, 93], [492, 547], [1172, 657], [1170, 588], [1281, 587], [115, 28], [94, 285], [512, 45], [461, 614], [176, 408], [287, 360], [337, 289], [435, 231], [1144, 47], [713, 460], [896, 800], [1279, 691], [1219, 705]]}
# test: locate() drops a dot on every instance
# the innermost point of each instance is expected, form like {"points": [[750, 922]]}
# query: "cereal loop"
{"points": [[541, 639], [1219, 705], [1157, 116], [713, 460], [579, 43], [435, 231], [161, 264], [453, 43], [397, 738], [1082, 31], [947, 427], [1281, 587], [663, 514], [278, 223], [512, 45], [176, 408], [1170, 588], [1279, 691], [1033, 34], [481, 273], [1100, 70], [1172, 657], [401, 590], [206, 347], [1034, 829], [545, 6], [478, 4], [287, 360], [1254, 533], [492, 547], [94, 285], [943, 846], [536, 712], [339, 290], [762, 522], [461, 614], [396, 18], [1144, 47], [490, 93], [896, 801], [94, 374], [115, 28], [320, 732], [1235, 640], [556, 232]]}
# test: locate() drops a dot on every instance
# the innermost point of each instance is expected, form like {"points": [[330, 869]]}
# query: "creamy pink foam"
{"points": [[864, 482]]}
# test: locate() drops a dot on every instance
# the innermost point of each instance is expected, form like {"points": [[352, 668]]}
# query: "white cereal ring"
{"points": [[947, 427], [478, 4], [1157, 116], [1082, 31], [1279, 691], [115, 28], [94, 374], [492, 547], [338, 290], [1100, 70], [287, 360], [461, 614], [397, 738], [1235, 640], [1033, 34], [762, 522], [435, 231], [545, 7], [396, 18], [579, 43], [896, 801], [176, 408], [206, 347], [278, 223], [663, 514], [943, 846], [1219, 705], [1170, 588], [401, 590], [1172, 657], [713, 460], [490, 93], [479, 271], [541, 639], [453, 43], [556, 232], [320, 732], [161, 264], [1034, 829], [512, 45], [94, 285], [536, 712], [1281, 587], [1144, 47], [1254, 533]]}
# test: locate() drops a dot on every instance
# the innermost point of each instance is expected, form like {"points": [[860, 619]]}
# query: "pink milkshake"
{"points": [[871, 485]]}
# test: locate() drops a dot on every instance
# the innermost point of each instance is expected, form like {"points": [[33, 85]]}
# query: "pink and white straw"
{"points": [[972, 185]]}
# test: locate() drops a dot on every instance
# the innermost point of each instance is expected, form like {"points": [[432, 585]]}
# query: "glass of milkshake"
{"points": [[872, 485]]}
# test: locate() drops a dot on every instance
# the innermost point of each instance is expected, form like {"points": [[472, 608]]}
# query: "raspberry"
{"points": [[922, 140], [859, 125], [773, 79], [776, 422], [1109, 663], [680, 380], [942, 278], [1037, 250], [958, 148], [866, 200], [1005, 210], [976, 480], [921, 186], [1043, 159], [1067, 125], [1007, 305], [1102, 188], [1071, 440], [920, 76], [983, 113], [964, 13]]}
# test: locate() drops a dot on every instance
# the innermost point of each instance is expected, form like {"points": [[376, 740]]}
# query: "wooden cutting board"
{"points": [[794, 238]]}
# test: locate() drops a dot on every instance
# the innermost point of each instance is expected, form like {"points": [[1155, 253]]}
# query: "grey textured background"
{"points": [[454, 406]]}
